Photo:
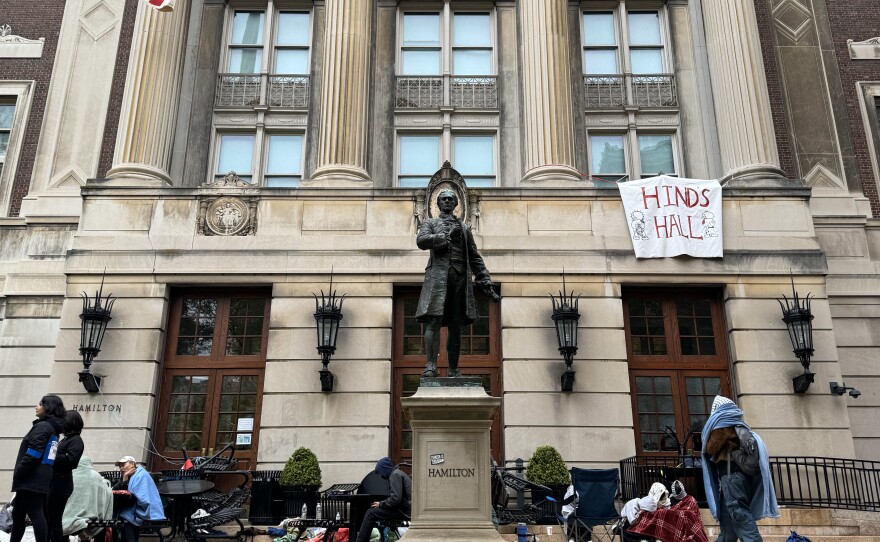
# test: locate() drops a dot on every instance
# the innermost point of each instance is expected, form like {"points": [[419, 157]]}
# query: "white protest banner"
{"points": [[668, 216]]}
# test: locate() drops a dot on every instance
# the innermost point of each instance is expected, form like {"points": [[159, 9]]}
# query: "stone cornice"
{"points": [[12, 46]]}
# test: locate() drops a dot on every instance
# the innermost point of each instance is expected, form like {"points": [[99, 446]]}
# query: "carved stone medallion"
{"points": [[447, 178], [227, 216]]}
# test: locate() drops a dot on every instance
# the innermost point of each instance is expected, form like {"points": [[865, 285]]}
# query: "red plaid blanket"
{"points": [[680, 523]]}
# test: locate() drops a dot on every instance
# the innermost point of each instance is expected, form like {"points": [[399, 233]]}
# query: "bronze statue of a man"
{"points": [[447, 297]]}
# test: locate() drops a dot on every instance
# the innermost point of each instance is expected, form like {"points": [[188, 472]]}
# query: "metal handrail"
{"points": [[435, 91], [813, 482], [237, 90], [619, 90]]}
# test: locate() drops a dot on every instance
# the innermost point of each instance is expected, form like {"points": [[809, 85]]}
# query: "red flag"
{"points": [[188, 465], [162, 5]]}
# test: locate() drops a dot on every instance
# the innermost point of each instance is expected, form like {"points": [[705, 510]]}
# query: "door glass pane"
{"points": [[646, 61], [196, 330], [700, 393], [644, 27], [420, 62], [410, 385], [600, 61], [472, 62], [471, 30], [413, 330], [238, 401], [186, 410], [292, 61], [599, 28], [247, 27], [655, 152], [475, 338], [655, 412], [695, 329], [245, 328], [646, 327], [236, 154], [293, 29], [245, 60], [608, 154]]}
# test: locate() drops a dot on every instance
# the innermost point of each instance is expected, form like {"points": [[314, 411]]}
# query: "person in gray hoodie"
{"points": [[398, 504]]}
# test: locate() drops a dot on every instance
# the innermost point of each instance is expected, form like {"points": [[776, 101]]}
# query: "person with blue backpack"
{"points": [[34, 468], [736, 473]]}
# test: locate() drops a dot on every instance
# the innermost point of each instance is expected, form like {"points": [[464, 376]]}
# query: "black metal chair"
{"points": [[529, 505]]}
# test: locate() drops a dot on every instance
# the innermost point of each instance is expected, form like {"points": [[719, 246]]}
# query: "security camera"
{"points": [[837, 389], [854, 393]]}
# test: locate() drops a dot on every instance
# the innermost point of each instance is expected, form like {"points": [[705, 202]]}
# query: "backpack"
{"points": [[794, 537]]}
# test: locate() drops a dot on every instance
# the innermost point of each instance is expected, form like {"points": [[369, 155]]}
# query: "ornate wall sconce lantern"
{"points": [[565, 317], [799, 320], [327, 317], [94, 317]]}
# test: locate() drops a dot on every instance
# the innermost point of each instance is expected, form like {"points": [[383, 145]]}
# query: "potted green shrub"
{"points": [[546, 467], [300, 481]]}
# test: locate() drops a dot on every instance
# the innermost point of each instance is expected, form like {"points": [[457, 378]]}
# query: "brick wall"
{"points": [[108, 142], [857, 20], [774, 86], [32, 20]]}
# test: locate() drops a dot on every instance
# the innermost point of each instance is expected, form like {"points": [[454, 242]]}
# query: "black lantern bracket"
{"points": [[565, 318], [94, 319], [328, 314], [799, 320]]}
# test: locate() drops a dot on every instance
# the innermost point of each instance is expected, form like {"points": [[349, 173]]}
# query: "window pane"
{"points": [[471, 30], [646, 60], [285, 154], [283, 182], [644, 28], [421, 63], [600, 61], [4, 145], [421, 30], [655, 152], [292, 61], [608, 154], [7, 111], [474, 155], [419, 155], [472, 62], [236, 154], [599, 28], [247, 27], [245, 60], [293, 28]]}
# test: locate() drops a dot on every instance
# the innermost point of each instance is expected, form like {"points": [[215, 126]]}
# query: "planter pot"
{"points": [[552, 510], [294, 497]]}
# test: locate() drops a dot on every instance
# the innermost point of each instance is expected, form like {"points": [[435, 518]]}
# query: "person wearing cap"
{"points": [[447, 297], [396, 506], [146, 503], [736, 473]]}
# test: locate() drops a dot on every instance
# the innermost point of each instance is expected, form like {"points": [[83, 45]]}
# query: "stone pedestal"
{"points": [[452, 502]]}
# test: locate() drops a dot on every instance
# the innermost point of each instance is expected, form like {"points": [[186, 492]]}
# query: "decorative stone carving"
{"points": [[446, 177], [228, 216], [230, 180], [286, 120], [475, 121], [421, 120], [235, 119], [656, 119], [864, 50], [792, 18], [12, 46], [598, 121], [822, 177]]}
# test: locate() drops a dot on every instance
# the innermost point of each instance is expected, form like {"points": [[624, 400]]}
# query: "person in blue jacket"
{"points": [[70, 450], [147, 504], [34, 469]]}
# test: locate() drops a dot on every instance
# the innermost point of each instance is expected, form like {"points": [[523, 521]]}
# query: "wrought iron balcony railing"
{"points": [[429, 92], [254, 89], [648, 90]]}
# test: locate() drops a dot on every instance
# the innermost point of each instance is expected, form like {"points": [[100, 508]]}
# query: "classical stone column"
{"points": [[548, 118], [742, 103], [152, 91], [345, 90]]}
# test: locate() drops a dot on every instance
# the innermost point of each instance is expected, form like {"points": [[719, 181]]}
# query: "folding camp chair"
{"points": [[596, 517]]}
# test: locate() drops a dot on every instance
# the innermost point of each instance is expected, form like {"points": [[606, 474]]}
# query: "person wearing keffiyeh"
{"points": [[736, 473]]}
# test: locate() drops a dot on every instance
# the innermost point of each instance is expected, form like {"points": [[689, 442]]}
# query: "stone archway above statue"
{"points": [[447, 178]]}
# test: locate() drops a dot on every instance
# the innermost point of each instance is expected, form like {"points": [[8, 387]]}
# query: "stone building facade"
{"points": [[333, 115]]}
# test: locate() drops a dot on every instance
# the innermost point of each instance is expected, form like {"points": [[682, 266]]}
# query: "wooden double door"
{"points": [[212, 385]]}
